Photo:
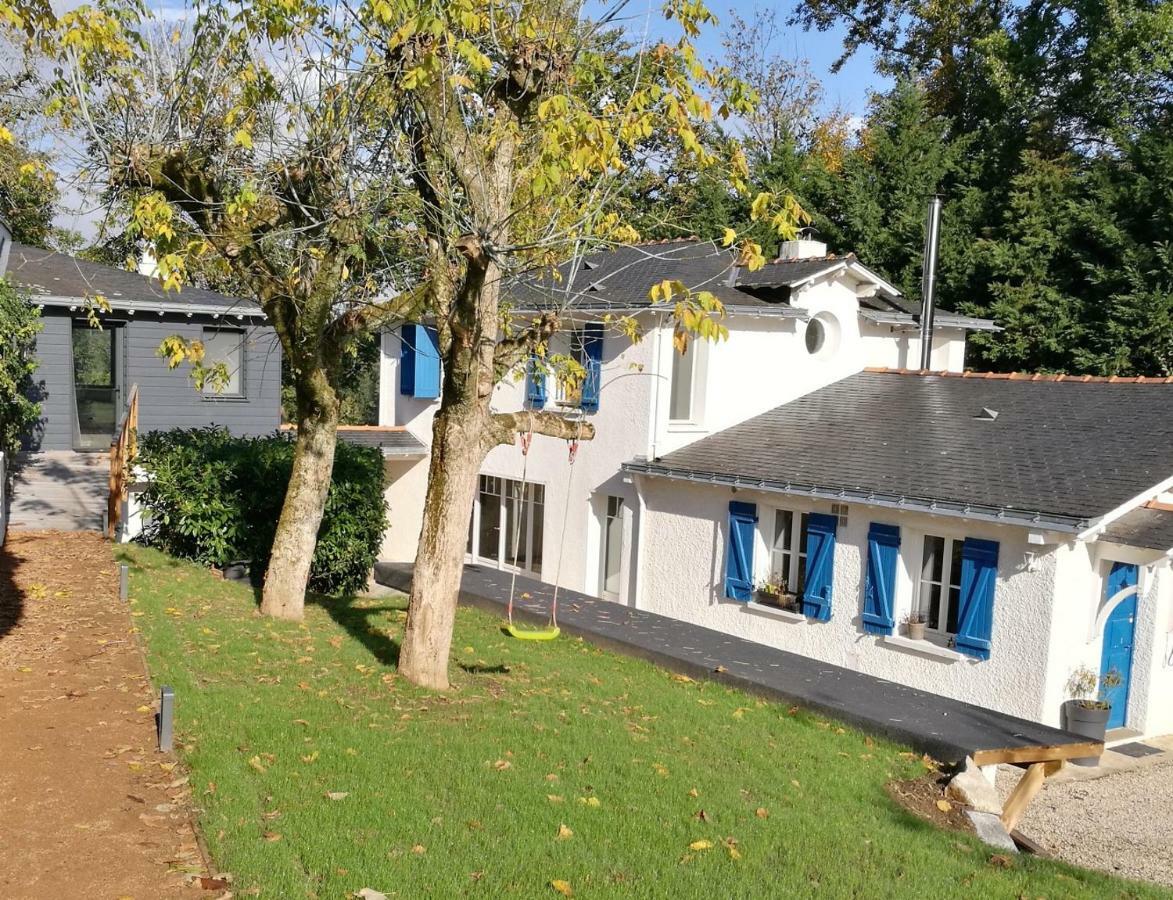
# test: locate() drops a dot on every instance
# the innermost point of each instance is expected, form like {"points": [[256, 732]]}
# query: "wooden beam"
{"points": [[1037, 753], [1026, 790]]}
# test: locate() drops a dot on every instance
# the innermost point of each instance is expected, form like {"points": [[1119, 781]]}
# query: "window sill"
{"points": [[925, 648], [773, 612], [686, 427]]}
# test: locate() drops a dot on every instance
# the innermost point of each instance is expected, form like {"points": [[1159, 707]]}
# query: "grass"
{"points": [[466, 793]]}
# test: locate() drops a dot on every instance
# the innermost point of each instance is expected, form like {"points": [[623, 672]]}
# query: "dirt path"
{"points": [[87, 807]]}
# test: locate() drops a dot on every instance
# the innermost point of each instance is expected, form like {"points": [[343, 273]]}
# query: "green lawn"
{"points": [[466, 794]]}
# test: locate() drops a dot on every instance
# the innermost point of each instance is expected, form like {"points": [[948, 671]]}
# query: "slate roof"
{"points": [[394, 442], [56, 278], [1144, 527], [619, 279], [1060, 452]]}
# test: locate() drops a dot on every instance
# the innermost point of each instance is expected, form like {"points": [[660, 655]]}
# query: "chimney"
{"points": [[928, 281], [806, 247], [5, 246]]}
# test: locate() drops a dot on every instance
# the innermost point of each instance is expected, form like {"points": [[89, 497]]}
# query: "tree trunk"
{"points": [[301, 515], [458, 448]]}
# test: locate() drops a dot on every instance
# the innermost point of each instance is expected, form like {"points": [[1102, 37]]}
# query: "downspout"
{"points": [[637, 556], [928, 281]]}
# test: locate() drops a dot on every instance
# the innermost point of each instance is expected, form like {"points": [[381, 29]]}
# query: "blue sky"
{"points": [[848, 89]]}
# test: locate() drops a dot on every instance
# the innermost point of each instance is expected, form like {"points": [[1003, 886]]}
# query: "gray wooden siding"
{"points": [[53, 385], [167, 398]]}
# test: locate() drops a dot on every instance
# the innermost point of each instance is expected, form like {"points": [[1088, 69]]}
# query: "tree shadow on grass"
{"points": [[358, 621]]}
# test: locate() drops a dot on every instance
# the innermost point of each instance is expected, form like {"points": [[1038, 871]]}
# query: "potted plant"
{"points": [[914, 623], [1087, 711], [773, 591]]}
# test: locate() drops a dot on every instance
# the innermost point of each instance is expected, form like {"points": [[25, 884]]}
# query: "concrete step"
{"points": [[60, 490]]}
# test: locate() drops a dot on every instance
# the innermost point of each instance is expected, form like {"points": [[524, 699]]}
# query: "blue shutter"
{"points": [[743, 518], [820, 566], [592, 352], [975, 619], [535, 382], [419, 362], [883, 551]]}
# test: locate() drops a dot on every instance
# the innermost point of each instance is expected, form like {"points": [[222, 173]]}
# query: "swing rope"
{"points": [[526, 440]]}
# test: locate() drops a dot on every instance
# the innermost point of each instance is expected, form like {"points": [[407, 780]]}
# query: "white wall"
{"points": [[683, 571]]}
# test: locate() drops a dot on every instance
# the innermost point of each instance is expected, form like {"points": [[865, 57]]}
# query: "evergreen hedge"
{"points": [[19, 324], [215, 499]]}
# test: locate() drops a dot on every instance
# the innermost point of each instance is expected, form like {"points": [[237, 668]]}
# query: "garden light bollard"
{"points": [[124, 582], [166, 719]]}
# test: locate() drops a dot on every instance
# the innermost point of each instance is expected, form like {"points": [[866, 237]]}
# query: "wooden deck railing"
{"points": [[123, 449]]}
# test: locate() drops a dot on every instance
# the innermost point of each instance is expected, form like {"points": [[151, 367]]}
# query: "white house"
{"points": [[776, 455]]}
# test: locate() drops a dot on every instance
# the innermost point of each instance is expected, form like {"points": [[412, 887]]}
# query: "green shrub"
{"points": [[19, 324], [214, 498]]}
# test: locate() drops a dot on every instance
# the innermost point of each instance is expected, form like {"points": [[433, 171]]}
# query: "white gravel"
{"points": [[1121, 823]]}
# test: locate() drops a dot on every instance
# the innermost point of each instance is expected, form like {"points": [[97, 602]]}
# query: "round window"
{"points": [[816, 336], [822, 335]]}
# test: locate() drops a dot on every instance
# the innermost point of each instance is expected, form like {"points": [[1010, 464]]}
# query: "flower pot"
{"points": [[916, 631], [1091, 723]]}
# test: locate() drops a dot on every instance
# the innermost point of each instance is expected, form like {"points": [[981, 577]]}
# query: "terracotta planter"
{"points": [[1091, 723], [916, 630]]}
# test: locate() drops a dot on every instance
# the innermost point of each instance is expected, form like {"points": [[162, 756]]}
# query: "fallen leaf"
{"points": [[694, 793], [1000, 861], [337, 795], [562, 887], [734, 853], [213, 884], [590, 801], [311, 757], [794, 781], [762, 813], [419, 849], [553, 798], [944, 805], [683, 679], [701, 845], [564, 833], [370, 894], [502, 764], [701, 815], [271, 836], [256, 763]]}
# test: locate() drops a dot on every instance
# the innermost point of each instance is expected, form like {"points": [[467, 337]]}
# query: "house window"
{"points": [[507, 524], [680, 408], [788, 551], [612, 547], [224, 345], [939, 587]]}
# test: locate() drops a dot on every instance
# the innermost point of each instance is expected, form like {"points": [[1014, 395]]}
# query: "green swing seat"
{"points": [[532, 634]]}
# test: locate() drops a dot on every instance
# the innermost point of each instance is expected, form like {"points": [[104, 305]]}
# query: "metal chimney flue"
{"points": [[928, 281]]}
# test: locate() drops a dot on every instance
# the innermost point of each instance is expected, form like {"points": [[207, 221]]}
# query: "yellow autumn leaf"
{"points": [[564, 833], [243, 139], [256, 763], [562, 887], [729, 237], [944, 805], [701, 845], [590, 801]]}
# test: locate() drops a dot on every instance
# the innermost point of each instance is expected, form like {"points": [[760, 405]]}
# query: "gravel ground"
{"points": [[1121, 823]]}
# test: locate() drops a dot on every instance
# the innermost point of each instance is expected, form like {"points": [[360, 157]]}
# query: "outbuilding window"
{"points": [[224, 345]]}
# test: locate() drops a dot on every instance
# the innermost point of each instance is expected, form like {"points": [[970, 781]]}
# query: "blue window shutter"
{"points": [[880, 583], [975, 618], [820, 566], [535, 382], [419, 362], [592, 351], [743, 518]]}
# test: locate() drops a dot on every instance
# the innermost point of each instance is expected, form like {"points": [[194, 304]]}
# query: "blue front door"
{"points": [[1118, 633]]}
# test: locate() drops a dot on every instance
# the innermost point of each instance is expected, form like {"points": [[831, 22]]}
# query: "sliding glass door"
{"points": [[507, 524]]}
